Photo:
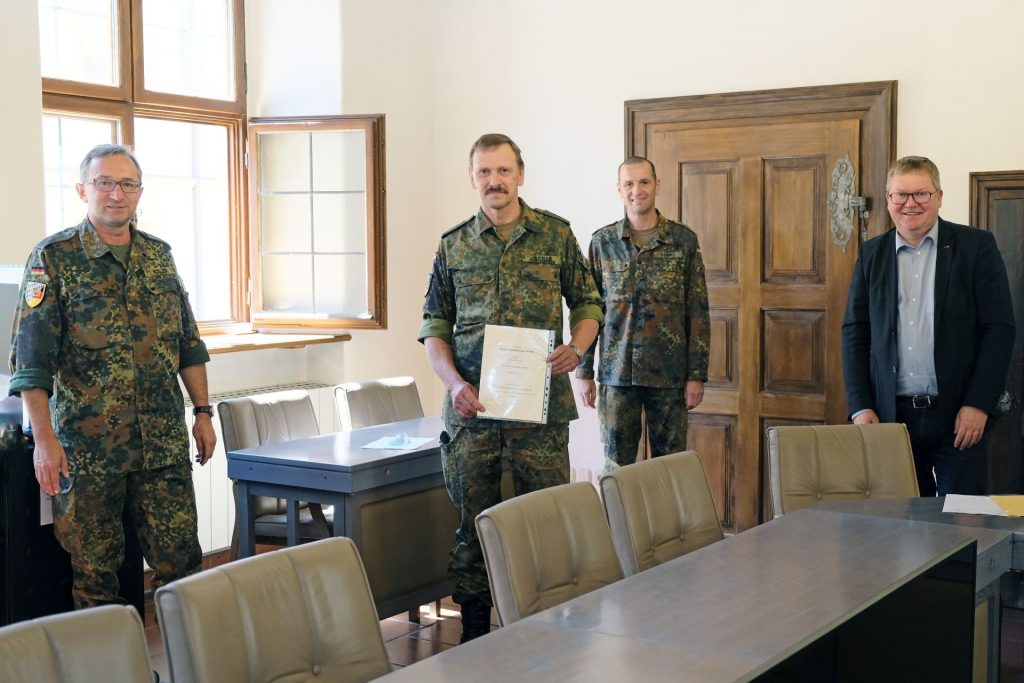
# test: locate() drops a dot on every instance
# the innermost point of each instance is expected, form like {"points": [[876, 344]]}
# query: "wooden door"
{"points": [[755, 185], [997, 204]]}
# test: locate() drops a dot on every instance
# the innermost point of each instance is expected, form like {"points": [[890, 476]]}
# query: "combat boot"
{"points": [[476, 619]]}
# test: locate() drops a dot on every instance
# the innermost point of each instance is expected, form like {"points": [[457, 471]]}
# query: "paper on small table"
{"points": [[978, 505], [399, 442]]}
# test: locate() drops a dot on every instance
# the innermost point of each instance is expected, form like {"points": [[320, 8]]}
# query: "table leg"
{"points": [[293, 521], [341, 516], [246, 522]]}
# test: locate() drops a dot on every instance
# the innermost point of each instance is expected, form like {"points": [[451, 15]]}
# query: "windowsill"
{"points": [[254, 341]]}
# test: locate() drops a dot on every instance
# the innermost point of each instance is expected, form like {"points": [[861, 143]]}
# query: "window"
{"points": [[317, 207], [165, 77]]}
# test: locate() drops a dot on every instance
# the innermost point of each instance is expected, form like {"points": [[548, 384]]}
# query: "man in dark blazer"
{"points": [[928, 333]]}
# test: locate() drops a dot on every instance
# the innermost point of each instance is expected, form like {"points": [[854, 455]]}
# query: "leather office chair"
{"points": [[301, 613], [376, 402], [256, 420], [96, 644], [380, 401], [545, 547], [839, 462], [659, 509]]}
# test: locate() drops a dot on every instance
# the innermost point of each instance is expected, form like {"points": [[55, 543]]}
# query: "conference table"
{"points": [[391, 503], [730, 611], [1000, 550]]}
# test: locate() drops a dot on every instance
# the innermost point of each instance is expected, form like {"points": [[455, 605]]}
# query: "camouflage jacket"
{"points": [[655, 302], [478, 279], [107, 344]]}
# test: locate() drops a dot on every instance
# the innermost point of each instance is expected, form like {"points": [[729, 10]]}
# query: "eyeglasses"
{"points": [[105, 185], [901, 198]]}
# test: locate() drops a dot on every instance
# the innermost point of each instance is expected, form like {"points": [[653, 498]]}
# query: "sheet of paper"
{"points": [[515, 380], [1011, 505], [399, 442], [45, 509], [978, 505]]}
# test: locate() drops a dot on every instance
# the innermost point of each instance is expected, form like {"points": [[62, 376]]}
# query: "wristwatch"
{"points": [[576, 350], [202, 409]]}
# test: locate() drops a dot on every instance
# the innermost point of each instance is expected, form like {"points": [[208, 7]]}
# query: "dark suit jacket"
{"points": [[974, 326]]}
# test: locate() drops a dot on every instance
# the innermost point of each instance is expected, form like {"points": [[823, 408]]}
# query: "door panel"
{"points": [[997, 204]]}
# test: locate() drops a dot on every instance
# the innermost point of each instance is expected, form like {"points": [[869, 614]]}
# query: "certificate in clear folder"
{"points": [[515, 380]]}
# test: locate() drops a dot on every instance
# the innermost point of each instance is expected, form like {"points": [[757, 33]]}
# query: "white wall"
{"points": [[21, 135]]}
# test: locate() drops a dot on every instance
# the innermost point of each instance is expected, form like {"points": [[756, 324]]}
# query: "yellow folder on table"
{"points": [[1011, 505]]}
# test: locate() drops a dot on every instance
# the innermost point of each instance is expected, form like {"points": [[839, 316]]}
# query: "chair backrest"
{"points": [[545, 547], [96, 644], [260, 419], [839, 462], [377, 402], [659, 509], [272, 616]]}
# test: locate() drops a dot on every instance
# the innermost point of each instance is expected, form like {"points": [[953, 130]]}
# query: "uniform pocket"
{"points": [[668, 276], [166, 295], [95, 320], [615, 278], [474, 295]]}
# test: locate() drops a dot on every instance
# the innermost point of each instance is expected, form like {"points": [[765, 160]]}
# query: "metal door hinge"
{"points": [[843, 203]]}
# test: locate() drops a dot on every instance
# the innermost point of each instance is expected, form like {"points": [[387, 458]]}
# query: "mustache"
{"points": [[496, 190]]}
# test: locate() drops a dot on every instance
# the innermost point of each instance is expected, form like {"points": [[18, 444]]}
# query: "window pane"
{"points": [[339, 223], [78, 40], [288, 284], [66, 140], [286, 223], [339, 161], [189, 48], [340, 283], [185, 174], [284, 162]]}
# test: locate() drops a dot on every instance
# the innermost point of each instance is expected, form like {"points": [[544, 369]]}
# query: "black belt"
{"points": [[919, 401]]}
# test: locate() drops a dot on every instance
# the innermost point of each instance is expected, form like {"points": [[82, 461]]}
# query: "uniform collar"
{"points": [[624, 230], [528, 219], [94, 246]]}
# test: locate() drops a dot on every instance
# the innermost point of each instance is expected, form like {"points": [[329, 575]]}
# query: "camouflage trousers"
{"points": [[88, 523], [471, 459], [619, 412]]}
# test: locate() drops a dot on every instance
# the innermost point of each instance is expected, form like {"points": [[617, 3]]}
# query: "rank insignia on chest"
{"points": [[34, 292]]}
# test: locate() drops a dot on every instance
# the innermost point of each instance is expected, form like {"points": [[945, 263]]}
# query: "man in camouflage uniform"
{"points": [[508, 265], [654, 343], [104, 326]]}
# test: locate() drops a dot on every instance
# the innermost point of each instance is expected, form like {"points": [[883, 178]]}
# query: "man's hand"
{"points": [[206, 438], [694, 392], [588, 392], [868, 417], [562, 360], [50, 462], [464, 398], [969, 427]]}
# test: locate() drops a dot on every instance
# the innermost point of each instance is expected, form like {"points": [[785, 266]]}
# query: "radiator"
{"points": [[214, 499]]}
